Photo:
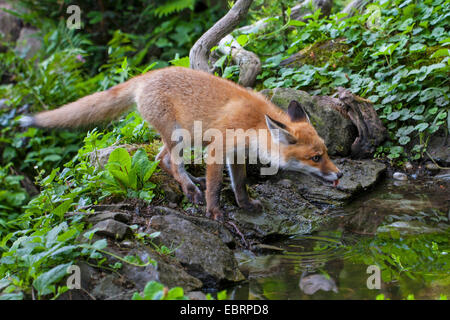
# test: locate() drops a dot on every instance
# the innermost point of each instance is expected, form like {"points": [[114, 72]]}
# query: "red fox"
{"points": [[176, 97]]}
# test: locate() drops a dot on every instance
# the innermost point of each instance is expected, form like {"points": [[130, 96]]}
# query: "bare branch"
{"points": [[199, 54], [248, 62]]}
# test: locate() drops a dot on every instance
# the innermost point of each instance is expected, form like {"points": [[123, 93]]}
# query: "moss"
{"points": [[422, 58], [319, 53]]}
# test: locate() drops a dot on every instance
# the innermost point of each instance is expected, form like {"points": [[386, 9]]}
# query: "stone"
{"points": [[432, 166], [196, 295], [169, 274], [28, 44], [213, 227], [400, 176], [338, 131], [100, 157], [112, 229], [118, 216], [10, 25], [203, 254], [439, 149], [110, 288]]}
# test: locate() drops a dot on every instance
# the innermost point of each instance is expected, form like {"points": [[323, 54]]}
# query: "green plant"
{"points": [[127, 176], [398, 60], [156, 291]]}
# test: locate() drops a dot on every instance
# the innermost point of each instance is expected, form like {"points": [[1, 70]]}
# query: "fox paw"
{"points": [[215, 214], [195, 196], [201, 181]]}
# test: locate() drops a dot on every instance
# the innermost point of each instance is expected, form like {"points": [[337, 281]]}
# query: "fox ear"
{"points": [[296, 112], [279, 132]]}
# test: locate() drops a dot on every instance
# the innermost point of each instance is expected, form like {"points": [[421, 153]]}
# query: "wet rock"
{"points": [[285, 212], [296, 209], [400, 176], [10, 25], [337, 130], [204, 255], [28, 44], [112, 229], [358, 175]]}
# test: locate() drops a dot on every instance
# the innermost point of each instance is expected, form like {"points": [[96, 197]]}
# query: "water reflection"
{"points": [[332, 263]]}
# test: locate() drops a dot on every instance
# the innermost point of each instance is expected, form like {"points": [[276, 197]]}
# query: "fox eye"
{"points": [[316, 158]]}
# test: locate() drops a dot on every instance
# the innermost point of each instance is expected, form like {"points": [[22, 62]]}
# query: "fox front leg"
{"points": [[238, 177], [214, 177]]}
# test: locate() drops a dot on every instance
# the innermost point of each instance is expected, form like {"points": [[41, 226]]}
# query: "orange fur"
{"points": [[175, 97]]}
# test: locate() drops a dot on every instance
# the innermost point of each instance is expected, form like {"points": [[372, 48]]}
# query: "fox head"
{"points": [[300, 147]]}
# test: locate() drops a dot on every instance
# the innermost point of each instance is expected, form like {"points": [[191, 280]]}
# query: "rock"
{"points": [[432, 166], [111, 288], [118, 216], [196, 295], [408, 166], [337, 130], [296, 209], [439, 149], [169, 274], [203, 254], [285, 212], [100, 157], [444, 177], [285, 183], [400, 176], [358, 175], [112, 229], [28, 44], [211, 226], [10, 25]]}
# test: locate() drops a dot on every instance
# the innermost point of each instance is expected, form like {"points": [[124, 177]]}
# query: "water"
{"points": [[401, 228]]}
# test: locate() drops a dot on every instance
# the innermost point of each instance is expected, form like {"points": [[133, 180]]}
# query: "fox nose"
{"points": [[340, 174]]}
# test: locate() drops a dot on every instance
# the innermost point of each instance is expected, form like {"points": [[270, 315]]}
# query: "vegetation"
{"points": [[396, 54]]}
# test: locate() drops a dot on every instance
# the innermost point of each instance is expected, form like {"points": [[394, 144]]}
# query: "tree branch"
{"points": [[199, 54]]}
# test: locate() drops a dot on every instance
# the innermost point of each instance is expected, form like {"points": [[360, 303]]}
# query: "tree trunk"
{"points": [[371, 132]]}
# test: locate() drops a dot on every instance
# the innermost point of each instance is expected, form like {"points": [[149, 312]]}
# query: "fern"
{"points": [[172, 6]]}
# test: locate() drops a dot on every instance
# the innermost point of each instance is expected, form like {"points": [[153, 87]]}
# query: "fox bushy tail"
{"points": [[97, 107]]}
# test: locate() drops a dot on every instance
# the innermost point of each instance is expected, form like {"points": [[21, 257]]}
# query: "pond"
{"points": [[399, 231]]}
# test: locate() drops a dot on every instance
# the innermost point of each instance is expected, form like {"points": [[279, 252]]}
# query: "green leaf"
{"points": [[44, 283], [121, 156], [175, 293], [62, 208], [153, 291], [100, 244], [440, 53], [222, 295]]}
